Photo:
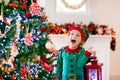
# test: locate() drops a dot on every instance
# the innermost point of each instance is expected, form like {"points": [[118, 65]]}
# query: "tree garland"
{"points": [[74, 7]]}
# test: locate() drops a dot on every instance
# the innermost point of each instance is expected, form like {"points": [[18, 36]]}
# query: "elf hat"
{"points": [[84, 32]]}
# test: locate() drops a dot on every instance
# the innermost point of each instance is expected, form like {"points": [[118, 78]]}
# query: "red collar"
{"points": [[72, 51]]}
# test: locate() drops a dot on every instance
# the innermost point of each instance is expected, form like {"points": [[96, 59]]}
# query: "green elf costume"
{"points": [[70, 62]]}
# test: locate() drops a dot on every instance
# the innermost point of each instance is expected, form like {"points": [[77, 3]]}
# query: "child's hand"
{"points": [[93, 52], [55, 53]]}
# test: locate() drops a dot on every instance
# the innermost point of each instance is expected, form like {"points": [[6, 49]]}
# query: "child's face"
{"points": [[74, 39]]}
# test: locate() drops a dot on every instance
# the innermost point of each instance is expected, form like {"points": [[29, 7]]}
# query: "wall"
{"points": [[108, 13], [58, 17], [99, 11]]}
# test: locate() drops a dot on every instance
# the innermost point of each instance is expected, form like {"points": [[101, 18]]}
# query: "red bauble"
{"points": [[23, 6], [43, 29], [35, 9], [0, 77], [36, 79], [46, 66], [13, 77], [27, 15]]}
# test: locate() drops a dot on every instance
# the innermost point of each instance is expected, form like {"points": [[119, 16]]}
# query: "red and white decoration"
{"points": [[50, 46], [35, 9]]}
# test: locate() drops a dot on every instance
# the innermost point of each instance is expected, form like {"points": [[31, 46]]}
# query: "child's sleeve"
{"points": [[58, 69], [83, 58]]}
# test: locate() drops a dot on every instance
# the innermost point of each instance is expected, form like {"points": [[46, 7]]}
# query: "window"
{"points": [[71, 5]]}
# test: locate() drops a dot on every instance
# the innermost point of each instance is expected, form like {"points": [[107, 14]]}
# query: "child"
{"points": [[72, 58]]}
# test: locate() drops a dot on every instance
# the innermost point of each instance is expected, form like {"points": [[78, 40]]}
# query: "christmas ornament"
{"points": [[8, 65], [27, 15], [23, 72], [50, 46], [43, 17], [36, 77], [13, 77], [53, 52], [46, 66], [0, 77], [34, 9], [13, 5], [42, 29], [37, 58], [27, 40], [23, 6], [3, 19], [14, 50]]}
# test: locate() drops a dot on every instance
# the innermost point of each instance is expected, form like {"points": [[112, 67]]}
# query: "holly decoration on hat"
{"points": [[86, 32]]}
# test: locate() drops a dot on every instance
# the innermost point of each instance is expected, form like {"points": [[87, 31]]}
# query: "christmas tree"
{"points": [[23, 36]]}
